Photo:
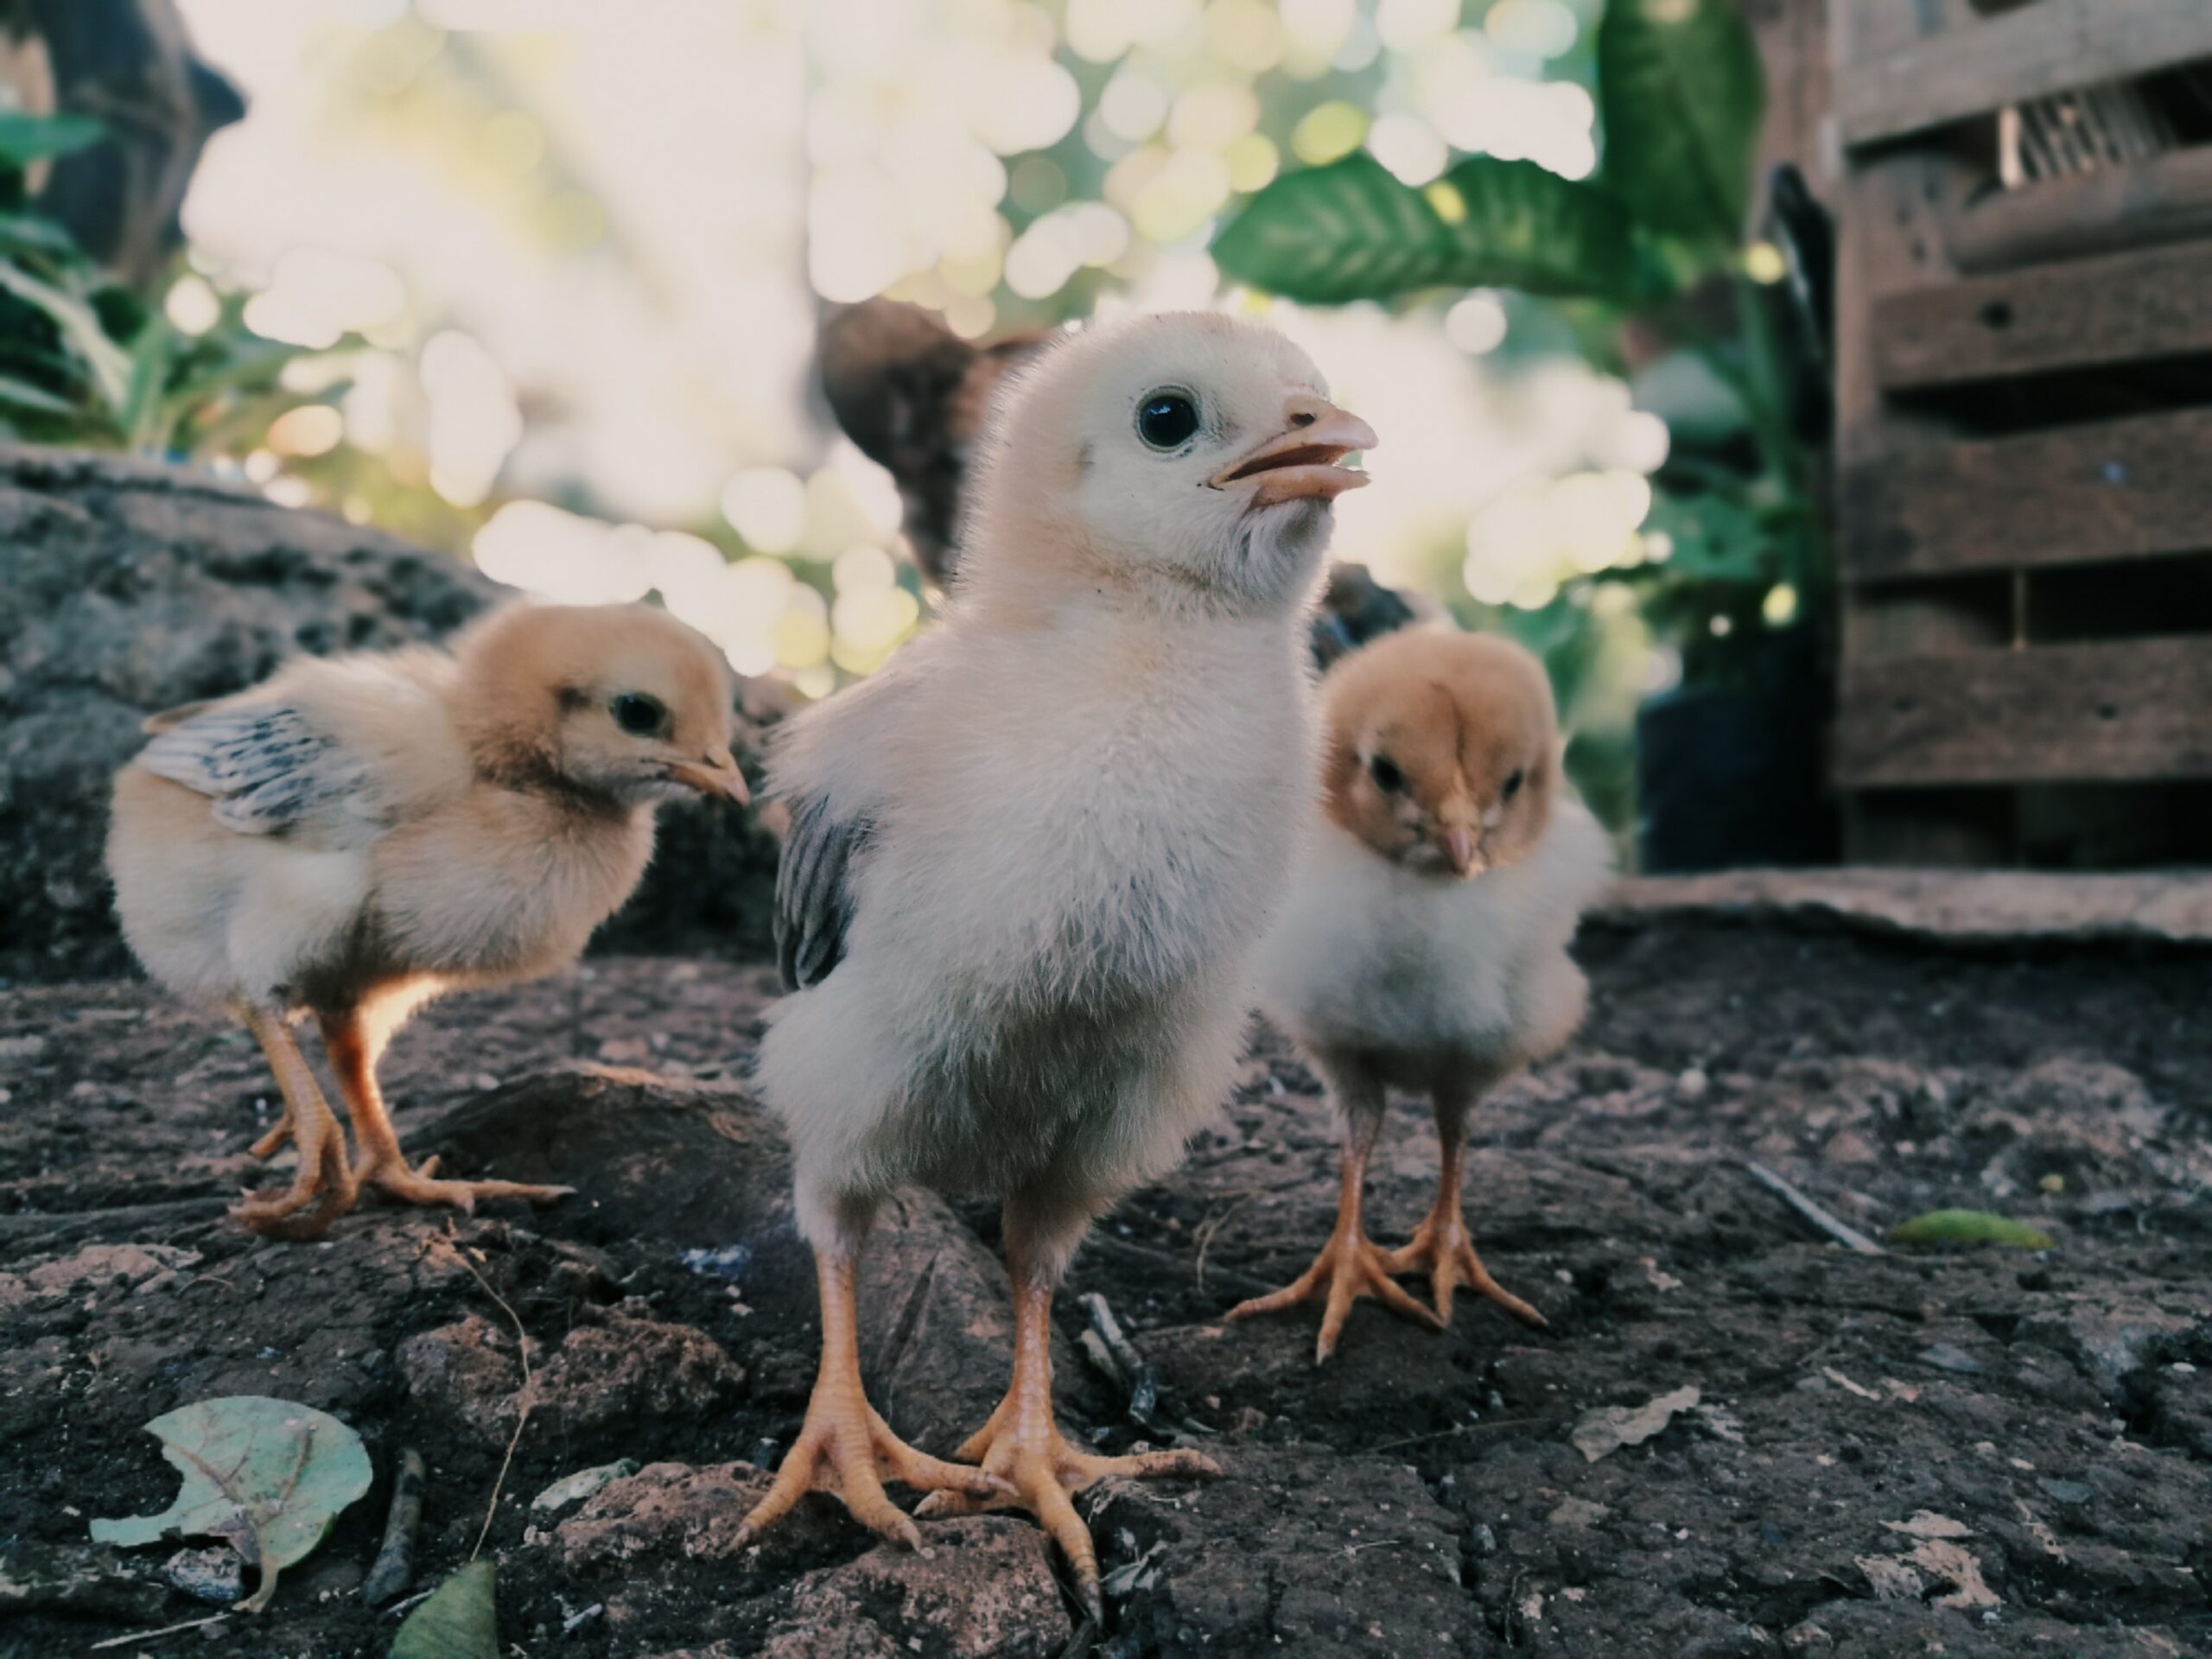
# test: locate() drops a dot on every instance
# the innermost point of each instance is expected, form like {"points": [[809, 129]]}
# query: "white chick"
{"points": [[1424, 945], [356, 835], [1029, 861]]}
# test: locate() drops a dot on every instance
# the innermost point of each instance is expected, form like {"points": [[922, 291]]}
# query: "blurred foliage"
{"points": [[85, 361], [1731, 543], [1350, 231]]}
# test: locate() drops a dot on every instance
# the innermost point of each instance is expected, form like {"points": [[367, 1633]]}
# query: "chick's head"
{"points": [[621, 701], [1194, 448], [1441, 751]]}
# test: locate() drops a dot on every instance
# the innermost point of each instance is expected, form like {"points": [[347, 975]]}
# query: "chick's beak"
{"points": [[1301, 460], [719, 776], [1459, 845]]}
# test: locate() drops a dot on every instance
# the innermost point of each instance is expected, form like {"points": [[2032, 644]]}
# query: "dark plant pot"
{"points": [[1736, 777]]}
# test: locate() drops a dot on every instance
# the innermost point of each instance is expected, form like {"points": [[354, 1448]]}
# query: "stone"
{"points": [[630, 1370], [1296, 1550], [673, 1511], [468, 1373], [576, 1488], [983, 1590], [621, 1372], [703, 1167]]}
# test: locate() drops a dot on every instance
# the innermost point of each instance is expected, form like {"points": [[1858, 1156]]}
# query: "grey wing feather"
{"points": [[265, 766], [814, 895]]}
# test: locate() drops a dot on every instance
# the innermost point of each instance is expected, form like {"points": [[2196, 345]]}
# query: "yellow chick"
{"points": [[1424, 943], [358, 835]]}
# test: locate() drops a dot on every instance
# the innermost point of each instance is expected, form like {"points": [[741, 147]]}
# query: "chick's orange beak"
{"points": [[719, 776], [1459, 845], [1301, 460]]}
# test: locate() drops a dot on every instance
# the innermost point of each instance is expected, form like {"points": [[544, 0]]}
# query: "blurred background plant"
{"points": [[537, 281], [1645, 267]]}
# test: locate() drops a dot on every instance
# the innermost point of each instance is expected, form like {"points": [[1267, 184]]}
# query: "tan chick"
{"points": [[1424, 943], [358, 835]]}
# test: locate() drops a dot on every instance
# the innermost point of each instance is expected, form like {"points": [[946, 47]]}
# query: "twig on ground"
{"points": [[1463, 1428], [395, 1563], [1211, 1226], [528, 1395], [1109, 1349], [166, 1630], [1842, 1231]]}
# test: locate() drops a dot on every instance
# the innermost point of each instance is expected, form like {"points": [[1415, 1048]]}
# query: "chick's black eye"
{"points": [[1166, 419], [1514, 780], [1385, 772], [639, 715]]}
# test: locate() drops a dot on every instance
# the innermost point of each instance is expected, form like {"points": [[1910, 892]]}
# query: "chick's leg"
{"points": [[323, 1189], [1441, 1243], [1021, 1444], [354, 1040], [843, 1446], [1350, 1265]]}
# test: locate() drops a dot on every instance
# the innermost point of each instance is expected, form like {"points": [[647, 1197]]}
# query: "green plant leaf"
{"points": [[1681, 95], [28, 138], [266, 1476], [1940, 1227], [1350, 231], [34, 233], [1715, 539], [1528, 228], [459, 1621], [22, 394], [107, 362]]}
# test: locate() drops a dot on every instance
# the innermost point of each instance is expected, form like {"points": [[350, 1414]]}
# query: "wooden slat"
{"points": [[2050, 45], [2116, 490], [2055, 714], [2085, 314], [2166, 199]]}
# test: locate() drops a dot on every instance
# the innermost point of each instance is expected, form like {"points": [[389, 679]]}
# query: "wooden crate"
{"points": [[2023, 495]]}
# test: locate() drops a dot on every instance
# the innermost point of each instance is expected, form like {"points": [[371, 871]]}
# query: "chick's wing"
{"points": [[814, 900], [268, 767]]}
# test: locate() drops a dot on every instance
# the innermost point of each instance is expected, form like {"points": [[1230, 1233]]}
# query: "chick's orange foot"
{"points": [[1442, 1246], [1350, 1266], [844, 1448], [1036, 1469], [392, 1178], [323, 1190]]}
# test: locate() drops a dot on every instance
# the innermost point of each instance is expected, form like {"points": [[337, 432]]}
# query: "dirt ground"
{"points": [[1964, 1453]]}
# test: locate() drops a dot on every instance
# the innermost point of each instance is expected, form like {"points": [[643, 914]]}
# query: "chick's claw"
{"points": [[1442, 1246], [1350, 1266], [1039, 1471], [273, 1142], [844, 1448], [396, 1181]]}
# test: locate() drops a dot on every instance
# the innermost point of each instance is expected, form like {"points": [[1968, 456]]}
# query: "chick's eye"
{"points": [[1514, 780], [639, 715], [1166, 419], [1386, 773]]}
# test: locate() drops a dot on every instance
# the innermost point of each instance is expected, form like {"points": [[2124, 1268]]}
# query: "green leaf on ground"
{"points": [[460, 1620], [1681, 95], [1941, 1227], [268, 1476]]}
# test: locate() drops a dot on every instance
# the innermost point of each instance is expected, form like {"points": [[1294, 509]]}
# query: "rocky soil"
{"points": [[1971, 1453]]}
